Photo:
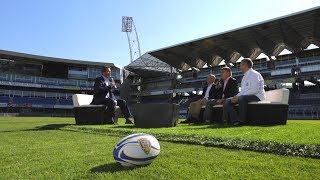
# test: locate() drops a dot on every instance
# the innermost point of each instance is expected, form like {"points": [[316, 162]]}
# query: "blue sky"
{"points": [[91, 29]]}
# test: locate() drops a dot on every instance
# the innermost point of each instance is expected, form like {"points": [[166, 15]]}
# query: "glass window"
{"points": [[51, 95], [28, 93], [16, 93], [40, 94]]}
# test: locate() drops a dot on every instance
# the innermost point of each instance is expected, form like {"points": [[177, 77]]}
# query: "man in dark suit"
{"points": [[103, 94], [209, 92], [228, 87]]}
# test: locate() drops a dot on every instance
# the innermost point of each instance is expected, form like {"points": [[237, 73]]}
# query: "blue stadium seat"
{"points": [[27, 100], [65, 102], [4, 99]]}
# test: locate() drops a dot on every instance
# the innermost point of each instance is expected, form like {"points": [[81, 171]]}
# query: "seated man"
{"points": [[229, 88], [251, 90], [209, 92], [103, 87]]}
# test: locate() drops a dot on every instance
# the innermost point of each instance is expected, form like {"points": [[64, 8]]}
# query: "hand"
{"points": [[112, 83], [219, 85], [220, 101], [234, 99]]}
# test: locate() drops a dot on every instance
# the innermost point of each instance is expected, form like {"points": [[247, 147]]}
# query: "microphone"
{"points": [[111, 82]]}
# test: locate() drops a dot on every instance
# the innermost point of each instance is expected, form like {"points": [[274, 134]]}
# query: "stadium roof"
{"points": [[10, 55], [294, 32], [147, 65]]}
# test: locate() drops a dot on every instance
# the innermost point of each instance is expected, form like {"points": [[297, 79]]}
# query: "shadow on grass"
{"points": [[185, 126], [41, 128], [134, 127], [207, 126], [112, 168], [8, 131], [49, 127], [125, 127], [218, 126]]}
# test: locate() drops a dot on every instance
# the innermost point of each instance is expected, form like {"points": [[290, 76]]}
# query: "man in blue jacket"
{"points": [[103, 94]]}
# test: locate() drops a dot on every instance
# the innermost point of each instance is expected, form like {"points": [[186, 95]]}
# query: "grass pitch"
{"points": [[43, 148]]}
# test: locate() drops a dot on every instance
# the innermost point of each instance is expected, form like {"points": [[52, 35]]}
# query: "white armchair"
{"points": [[273, 110]]}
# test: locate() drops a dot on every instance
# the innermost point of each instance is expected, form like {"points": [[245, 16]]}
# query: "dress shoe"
{"points": [[238, 123], [189, 120], [194, 120], [185, 122], [109, 121], [128, 121]]}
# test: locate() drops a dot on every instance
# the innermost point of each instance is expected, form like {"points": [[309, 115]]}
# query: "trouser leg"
{"points": [[195, 108], [243, 105], [124, 108], [192, 109], [207, 115], [110, 106], [229, 112]]}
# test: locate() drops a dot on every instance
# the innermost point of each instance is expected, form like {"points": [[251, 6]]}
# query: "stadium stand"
{"points": [[32, 85], [189, 63], [176, 74]]}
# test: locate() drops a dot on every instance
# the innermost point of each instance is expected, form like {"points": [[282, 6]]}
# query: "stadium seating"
{"points": [[23, 100], [304, 103], [85, 113], [64, 102], [44, 80], [4, 99]]}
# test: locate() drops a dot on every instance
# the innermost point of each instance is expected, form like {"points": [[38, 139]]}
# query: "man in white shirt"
{"points": [[209, 92], [251, 90]]}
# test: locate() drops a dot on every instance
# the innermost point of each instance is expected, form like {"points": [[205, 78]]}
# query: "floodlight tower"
{"points": [[133, 40]]}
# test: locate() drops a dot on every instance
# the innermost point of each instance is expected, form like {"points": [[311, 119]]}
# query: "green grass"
{"points": [[298, 138], [37, 148], [298, 132]]}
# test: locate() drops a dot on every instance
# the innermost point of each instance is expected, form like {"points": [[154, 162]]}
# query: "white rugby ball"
{"points": [[136, 150]]}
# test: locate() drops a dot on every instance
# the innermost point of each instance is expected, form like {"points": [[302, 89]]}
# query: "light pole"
{"points": [[133, 39]]}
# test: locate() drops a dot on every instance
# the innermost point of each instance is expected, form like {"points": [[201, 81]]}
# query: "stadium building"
{"points": [[32, 85], [37, 85], [175, 73]]}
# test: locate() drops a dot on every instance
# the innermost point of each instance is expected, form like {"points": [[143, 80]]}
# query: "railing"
{"points": [[286, 63], [33, 101], [304, 112], [44, 80], [310, 96]]}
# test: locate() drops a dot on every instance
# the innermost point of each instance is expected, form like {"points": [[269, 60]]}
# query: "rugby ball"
{"points": [[136, 150]]}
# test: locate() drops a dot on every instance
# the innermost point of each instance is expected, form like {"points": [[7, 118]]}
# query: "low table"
{"points": [[156, 115]]}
